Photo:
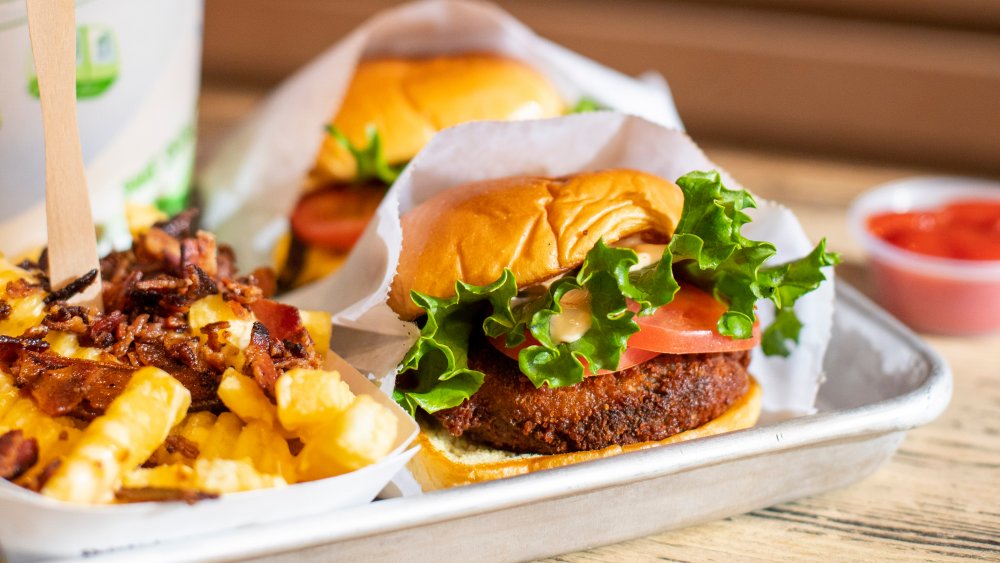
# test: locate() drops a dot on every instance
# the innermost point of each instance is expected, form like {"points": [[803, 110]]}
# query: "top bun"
{"points": [[409, 100], [537, 227]]}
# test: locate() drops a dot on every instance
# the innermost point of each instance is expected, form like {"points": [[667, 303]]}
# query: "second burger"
{"points": [[392, 108]]}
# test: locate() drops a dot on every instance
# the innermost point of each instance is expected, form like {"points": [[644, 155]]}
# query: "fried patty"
{"points": [[651, 401]]}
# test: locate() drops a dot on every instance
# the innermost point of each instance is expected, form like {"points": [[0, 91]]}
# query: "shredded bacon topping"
{"points": [[148, 291], [17, 454]]}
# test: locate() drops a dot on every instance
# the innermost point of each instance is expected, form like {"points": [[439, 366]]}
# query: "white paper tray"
{"points": [[882, 381]]}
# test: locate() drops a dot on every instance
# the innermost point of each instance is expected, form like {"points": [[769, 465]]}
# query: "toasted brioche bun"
{"points": [[537, 227], [446, 461], [409, 100]]}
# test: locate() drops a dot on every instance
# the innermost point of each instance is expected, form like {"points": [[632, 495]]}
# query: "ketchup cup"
{"points": [[931, 294]]}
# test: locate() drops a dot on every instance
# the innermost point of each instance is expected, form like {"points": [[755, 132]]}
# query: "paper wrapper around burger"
{"points": [[37, 527], [372, 338], [250, 186]]}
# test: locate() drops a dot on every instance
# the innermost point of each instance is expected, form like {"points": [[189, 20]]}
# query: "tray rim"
{"points": [[896, 414]]}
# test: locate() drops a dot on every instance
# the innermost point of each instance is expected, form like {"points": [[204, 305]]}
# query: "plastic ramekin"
{"points": [[931, 294]]}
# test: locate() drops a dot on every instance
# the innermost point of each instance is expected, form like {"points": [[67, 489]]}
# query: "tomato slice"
{"points": [[686, 325], [334, 218], [630, 357]]}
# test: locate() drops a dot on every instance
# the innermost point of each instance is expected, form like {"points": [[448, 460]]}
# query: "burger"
{"points": [[391, 109], [566, 319]]}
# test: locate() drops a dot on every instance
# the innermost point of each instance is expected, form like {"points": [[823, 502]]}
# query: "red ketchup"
{"points": [[926, 297], [963, 230]]}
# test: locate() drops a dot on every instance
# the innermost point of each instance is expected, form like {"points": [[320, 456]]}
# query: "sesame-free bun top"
{"points": [[537, 227], [409, 100]]}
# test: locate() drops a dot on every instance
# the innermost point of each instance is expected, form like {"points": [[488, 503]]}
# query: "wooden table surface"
{"points": [[937, 498]]}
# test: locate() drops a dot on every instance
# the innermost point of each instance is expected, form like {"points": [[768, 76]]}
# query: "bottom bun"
{"points": [[447, 461]]}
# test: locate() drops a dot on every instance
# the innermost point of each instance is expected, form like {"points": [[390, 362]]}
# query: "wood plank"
{"points": [[763, 78], [983, 15]]}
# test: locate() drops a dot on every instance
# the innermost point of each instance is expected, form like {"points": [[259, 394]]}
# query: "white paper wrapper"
{"points": [[36, 527], [376, 340], [253, 182]]}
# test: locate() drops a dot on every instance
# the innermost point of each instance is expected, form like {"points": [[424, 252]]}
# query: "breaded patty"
{"points": [[651, 401]]}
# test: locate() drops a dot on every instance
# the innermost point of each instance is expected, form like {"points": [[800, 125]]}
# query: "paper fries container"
{"points": [[250, 186], [36, 527]]}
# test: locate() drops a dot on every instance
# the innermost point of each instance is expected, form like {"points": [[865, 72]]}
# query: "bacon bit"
{"points": [[12, 346], [72, 288], [263, 278], [259, 364], [67, 318], [282, 321], [179, 226], [202, 384], [70, 386], [241, 293], [102, 332], [295, 446], [213, 335], [17, 454], [158, 246], [226, 263], [181, 445], [22, 343], [35, 333], [156, 494], [5, 310], [183, 348], [200, 252], [20, 288], [201, 283]]}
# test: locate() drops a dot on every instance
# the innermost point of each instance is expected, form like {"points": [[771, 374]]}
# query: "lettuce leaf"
{"points": [[707, 249], [585, 105], [440, 355], [370, 160]]}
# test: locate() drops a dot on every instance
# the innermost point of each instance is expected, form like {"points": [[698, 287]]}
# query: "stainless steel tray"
{"points": [[882, 381]]}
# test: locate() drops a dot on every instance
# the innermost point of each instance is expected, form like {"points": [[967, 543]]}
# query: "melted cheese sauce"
{"points": [[574, 321]]}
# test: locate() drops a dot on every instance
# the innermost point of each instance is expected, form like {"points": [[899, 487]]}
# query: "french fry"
{"points": [[67, 345], [26, 311], [55, 436], [221, 476], [266, 450], [197, 427], [221, 440], [320, 329], [359, 436], [9, 394], [217, 476], [169, 476], [245, 398], [308, 398], [132, 427]]}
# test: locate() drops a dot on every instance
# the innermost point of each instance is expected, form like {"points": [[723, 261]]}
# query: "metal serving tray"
{"points": [[882, 381]]}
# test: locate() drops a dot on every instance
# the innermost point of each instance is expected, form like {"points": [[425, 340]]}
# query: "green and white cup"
{"points": [[138, 67]]}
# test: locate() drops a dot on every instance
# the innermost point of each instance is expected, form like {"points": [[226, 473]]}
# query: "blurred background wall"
{"points": [[913, 82]]}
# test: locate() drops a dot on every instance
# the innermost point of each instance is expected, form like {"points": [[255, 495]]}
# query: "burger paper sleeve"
{"points": [[372, 338], [250, 186]]}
